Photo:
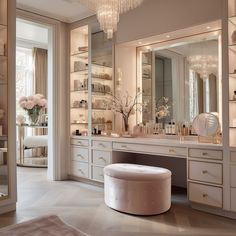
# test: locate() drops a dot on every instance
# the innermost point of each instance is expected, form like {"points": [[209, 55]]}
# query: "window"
{"points": [[24, 75]]}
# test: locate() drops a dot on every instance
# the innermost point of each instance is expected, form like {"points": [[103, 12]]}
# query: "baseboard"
{"points": [[213, 210], [7, 208], [87, 181]]}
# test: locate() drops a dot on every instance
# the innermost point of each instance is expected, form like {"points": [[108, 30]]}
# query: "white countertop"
{"points": [[171, 141]]}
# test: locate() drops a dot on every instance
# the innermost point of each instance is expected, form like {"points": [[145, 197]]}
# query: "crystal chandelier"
{"points": [[108, 12], [203, 64]]}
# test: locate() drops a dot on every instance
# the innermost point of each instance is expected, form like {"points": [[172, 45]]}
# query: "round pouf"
{"points": [[137, 189]]}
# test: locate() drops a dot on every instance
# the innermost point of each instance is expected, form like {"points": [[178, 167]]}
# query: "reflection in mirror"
{"points": [[4, 178], [180, 81], [3, 143]]}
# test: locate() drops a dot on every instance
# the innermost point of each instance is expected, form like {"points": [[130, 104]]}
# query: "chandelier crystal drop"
{"points": [[108, 12], [203, 64]]}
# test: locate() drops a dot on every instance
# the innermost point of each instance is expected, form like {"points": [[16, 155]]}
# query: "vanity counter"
{"points": [[153, 141]]}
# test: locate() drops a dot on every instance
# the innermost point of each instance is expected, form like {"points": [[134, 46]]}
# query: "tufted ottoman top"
{"points": [[136, 172]]}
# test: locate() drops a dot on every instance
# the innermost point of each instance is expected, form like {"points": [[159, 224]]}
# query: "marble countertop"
{"points": [[164, 141]]}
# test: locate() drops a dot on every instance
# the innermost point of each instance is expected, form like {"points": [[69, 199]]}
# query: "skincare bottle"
{"points": [[183, 130], [166, 129], [170, 128], [234, 96], [173, 131]]}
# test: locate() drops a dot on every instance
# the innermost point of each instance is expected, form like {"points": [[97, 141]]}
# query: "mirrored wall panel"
{"points": [[179, 81], [102, 82], [4, 180]]}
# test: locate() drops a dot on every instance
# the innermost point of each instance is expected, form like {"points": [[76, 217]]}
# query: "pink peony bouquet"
{"points": [[33, 105]]}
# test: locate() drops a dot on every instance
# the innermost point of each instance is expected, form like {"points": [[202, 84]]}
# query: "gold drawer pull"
{"points": [[204, 171], [124, 146], [205, 154], [102, 145], [172, 150], [204, 195], [102, 158]]}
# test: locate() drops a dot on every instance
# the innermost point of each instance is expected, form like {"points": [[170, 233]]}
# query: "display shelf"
{"points": [[3, 27], [80, 72], [101, 66], [94, 109], [79, 123], [101, 79], [75, 54], [79, 91], [3, 82], [86, 123], [232, 75], [93, 92], [233, 47], [3, 58], [232, 19]]}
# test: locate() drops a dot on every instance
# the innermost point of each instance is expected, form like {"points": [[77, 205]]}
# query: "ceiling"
{"points": [[63, 10], [207, 47]]}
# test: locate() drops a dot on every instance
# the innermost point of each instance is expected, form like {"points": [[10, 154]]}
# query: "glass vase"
{"points": [[33, 117], [126, 124]]}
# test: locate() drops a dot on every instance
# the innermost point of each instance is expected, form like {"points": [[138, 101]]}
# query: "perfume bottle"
{"points": [[234, 95]]}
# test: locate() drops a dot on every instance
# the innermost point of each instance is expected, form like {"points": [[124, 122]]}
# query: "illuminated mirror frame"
{"points": [[203, 32]]}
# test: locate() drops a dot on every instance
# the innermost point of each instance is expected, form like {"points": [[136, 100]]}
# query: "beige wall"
{"points": [[155, 17]]}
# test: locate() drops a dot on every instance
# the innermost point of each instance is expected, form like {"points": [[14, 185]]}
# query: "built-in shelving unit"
{"points": [[232, 71], [102, 82], [79, 67], [232, 102], [91, 81], [91, 87]]}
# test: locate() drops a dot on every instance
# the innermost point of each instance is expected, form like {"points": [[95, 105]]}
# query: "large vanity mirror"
{"points": [[182, 75]]}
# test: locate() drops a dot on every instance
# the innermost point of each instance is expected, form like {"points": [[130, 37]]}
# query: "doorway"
{"points": [[34, 93]]}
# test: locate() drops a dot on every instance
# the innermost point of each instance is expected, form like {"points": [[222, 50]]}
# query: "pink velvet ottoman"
{"points": [[137, 189]]}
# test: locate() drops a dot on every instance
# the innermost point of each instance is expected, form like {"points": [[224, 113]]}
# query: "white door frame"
{"points": [[56, 151]]}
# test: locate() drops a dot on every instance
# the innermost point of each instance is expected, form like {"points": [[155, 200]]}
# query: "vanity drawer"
{"points": [[101, 158], [80, 142], [206, 172], [164, 150], [205, 194], [79, 169], [102, 145], [79, 154], [233, 199], [98, 173], [233, 156], [233, 176], [206, 153]]}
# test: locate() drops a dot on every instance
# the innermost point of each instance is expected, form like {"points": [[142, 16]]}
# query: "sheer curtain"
{"points": [[40, 60]]}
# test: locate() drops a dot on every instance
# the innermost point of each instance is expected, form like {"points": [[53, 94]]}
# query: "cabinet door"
{"points": [[233, 199], [102, 81]]}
